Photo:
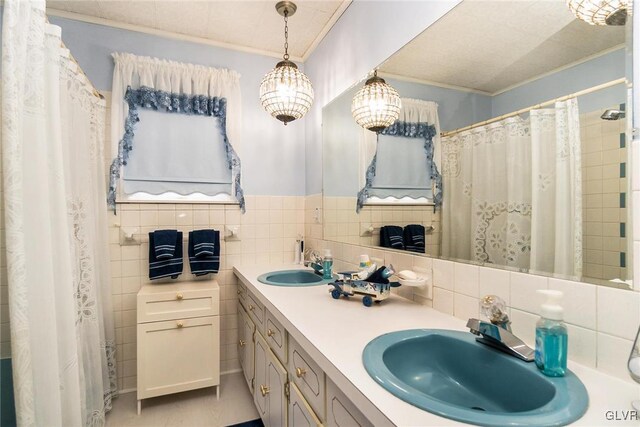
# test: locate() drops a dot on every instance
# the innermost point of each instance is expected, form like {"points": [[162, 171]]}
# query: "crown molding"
{"points": [[166, 34], [432, 83]]}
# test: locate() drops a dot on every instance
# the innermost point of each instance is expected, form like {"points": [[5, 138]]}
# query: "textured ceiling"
{"points": [[492, 45], [252, 24]]}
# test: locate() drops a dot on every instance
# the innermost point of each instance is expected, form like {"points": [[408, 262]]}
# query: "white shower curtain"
{"points": [[62, 336], [512, 192]]}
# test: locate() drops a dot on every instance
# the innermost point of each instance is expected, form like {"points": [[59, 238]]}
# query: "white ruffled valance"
{"points": [[174, 77]]}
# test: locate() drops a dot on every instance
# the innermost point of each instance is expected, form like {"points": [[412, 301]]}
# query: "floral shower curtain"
{"points": [[513, 192], [62, 332]]}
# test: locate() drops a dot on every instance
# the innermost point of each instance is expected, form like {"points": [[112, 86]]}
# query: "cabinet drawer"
{"points": [[341, 412], [309, 378], [178, 355], [276, 337], [176, 302], [242, 293], [256, 311]]}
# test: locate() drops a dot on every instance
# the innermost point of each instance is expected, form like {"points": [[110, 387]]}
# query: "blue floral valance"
{"points": [[158, 100], [407, 130]]}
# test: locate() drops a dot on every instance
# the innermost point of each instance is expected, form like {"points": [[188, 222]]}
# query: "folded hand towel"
{"points": [[164, 243], [204, 242], [204, 264], [391, 237], [414, 238], [171, 267]]}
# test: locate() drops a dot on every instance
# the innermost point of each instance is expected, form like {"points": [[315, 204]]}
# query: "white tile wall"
{"points": [[602, 321], [268, 232]]}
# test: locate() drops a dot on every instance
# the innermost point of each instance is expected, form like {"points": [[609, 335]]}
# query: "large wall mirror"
{"points": [[529, 117]]}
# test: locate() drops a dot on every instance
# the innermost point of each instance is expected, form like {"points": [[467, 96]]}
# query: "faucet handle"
{"points": [[494, 308]]}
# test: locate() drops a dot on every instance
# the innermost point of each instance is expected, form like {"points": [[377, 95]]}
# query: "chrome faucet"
{"points": [[314, 261], [501, 339]]}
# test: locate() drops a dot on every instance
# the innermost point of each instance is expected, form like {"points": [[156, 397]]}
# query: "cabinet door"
{"points": [[300, 413], [261, 386], [246, 347], [178, 355], [241, 337], [277, 400], [309, 378], [341, 412]]}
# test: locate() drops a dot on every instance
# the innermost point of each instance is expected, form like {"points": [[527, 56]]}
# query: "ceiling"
{"points": [[489, 45], [249, 24]]}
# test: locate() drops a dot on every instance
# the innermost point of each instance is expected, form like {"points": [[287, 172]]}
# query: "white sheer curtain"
{"points": [[512, 192], [556, 235], [486, 211], [62, 337]]}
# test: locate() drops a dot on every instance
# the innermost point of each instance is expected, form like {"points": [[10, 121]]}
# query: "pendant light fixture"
{"points": [[285, 92], [600, 12], [377, 105]]}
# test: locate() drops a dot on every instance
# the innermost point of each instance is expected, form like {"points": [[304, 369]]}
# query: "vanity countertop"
{"points": [[335, 332]]}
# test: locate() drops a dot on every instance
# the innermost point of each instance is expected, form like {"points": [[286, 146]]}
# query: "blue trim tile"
{"points": [[623, 170], [623, 259], [623, 229], [623, 140], [623, 200]]}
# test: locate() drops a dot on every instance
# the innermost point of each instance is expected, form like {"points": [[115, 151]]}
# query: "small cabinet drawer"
{"points": [[176, 301], [276, 337], [256, 311], [308, 376], [242, 294], [341, 412]]}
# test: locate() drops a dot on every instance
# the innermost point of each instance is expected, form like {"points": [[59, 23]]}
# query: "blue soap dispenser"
{"points": [[327, 265], [551, 336]]}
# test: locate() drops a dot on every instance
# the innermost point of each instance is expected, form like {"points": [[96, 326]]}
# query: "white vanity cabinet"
{"points": [[289, 388], [178, 336]]}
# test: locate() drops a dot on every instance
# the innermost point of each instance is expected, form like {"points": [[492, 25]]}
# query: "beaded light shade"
{"points": [[600, 12], [377, 105], [285, 92]]}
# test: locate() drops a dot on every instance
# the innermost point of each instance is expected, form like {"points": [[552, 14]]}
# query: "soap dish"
{"points": [[420, 281]]}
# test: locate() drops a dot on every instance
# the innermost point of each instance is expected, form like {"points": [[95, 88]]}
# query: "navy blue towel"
{"points": [[164, 243], [204, 242], [391, 237], [171, 267], [414, 238], [204, 264]]}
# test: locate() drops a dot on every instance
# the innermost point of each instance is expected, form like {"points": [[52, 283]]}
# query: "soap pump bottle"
{"points": [[327, 264], [551, 336]]}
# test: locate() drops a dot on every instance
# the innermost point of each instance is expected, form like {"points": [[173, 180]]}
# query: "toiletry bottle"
{"points": [[551, 336], [327, 264], [364, 261]]}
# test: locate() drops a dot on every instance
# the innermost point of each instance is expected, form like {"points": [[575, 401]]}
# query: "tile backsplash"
{"points": [[267, 234], [602, 321]]}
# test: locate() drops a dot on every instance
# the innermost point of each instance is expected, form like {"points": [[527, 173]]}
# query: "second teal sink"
{"points": [[292, 278], [448, 373]]}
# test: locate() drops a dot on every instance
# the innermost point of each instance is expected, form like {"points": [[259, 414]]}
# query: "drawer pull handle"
{"points": [[238, 291], [251, 307], [179, 297], [264, 390], [270, 333], [300, 372], [241, 343], [179, 324]]}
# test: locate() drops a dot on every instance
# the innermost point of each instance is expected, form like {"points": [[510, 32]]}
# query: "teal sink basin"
{"points": [[449, 374], [292, 278]]}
